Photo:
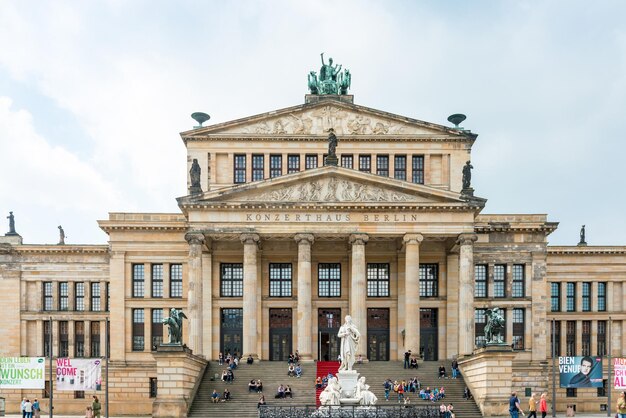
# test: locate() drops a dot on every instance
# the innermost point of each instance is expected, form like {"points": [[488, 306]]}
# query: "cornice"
{"points": [[547, 227], [321, 138], [586, 250], [109, 227], [62, 249], [324, 207]]}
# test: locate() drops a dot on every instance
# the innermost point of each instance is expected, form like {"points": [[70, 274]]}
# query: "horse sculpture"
{"points": [[494, 327], [175, 326]]}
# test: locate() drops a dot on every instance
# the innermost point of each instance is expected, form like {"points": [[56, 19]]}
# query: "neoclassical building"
{"points": [[274, 245]]}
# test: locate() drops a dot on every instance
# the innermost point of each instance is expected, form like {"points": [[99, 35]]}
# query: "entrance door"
{"points": [[280, 334], [378, 334], [231, 331], [328, 323], [429, 334]]}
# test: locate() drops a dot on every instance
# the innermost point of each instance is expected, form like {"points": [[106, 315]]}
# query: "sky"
{"points": [[93, 96]]}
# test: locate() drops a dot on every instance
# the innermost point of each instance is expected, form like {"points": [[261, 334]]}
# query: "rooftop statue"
{"points": [[331, 79], [61, 236], [194, 175], [467, 175], [582, 236], [11, 219]]}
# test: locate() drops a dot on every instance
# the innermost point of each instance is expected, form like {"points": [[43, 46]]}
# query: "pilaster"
{"points": [[304, 295], [118, 308], [539, 307], [195, 292]]}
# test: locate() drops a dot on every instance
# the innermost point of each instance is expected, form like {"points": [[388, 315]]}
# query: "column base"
{"points": [[306, 358]]}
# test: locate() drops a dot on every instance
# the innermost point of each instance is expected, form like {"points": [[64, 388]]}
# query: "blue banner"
{"points": [[580, 372]]}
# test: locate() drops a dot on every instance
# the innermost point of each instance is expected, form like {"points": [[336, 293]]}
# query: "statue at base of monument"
{"points": [[175, 326], [350, 337], [363, 393], [332, 393]]}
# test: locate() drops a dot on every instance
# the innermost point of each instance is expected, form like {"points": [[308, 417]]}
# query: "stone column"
{"points": [[194, 291], [466, 293], [250, 247], [412, 293], [358, 288], [304, 295]]}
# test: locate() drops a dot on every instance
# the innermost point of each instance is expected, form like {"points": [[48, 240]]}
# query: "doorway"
{"points": [[280, 334], [328, 323], [378, 334], [429, 334], [231, 327]]}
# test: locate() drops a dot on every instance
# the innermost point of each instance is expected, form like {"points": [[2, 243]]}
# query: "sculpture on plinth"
{"points": [[363, 393], [494, 327], [194, 175], [332, 159], [331, 395], [61, 236], [582, 242], [175, 326], [331, 80], [350, 337], [11, 219]]}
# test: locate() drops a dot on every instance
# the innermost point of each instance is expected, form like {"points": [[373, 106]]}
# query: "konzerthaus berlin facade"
{"points": [[275, 248]]}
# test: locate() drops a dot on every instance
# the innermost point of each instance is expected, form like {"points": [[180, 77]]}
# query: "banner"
{"points": [[79, 374], [619, 373], [22, 372], [580, 372]]}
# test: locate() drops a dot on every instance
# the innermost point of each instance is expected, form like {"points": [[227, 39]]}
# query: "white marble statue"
{"points": [[350, 337], [332, 393], [363, 393]]}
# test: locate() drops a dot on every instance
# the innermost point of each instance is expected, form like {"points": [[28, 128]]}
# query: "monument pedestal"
{"points": [[347, 380]]}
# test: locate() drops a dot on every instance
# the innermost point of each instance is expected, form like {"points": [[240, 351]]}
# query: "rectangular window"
{"points": [[429, 280], [47, 296], [571, 297], [94, 339], [95, 297], [157, 280], [240, 169], [79, 339], [571, 393], [293, 163], [329, 280], [399, 167], [555, 338], [601, 297], [176, 280], [382, 165], [138, 280], [231, 284], [480, 277], [377, 280], [418, 169], [79, 296], [365, 163], [586, 338], [280, 279], [604, 389], [347, 161], [602, 338], [79, 394], [157, 328], [480, 320], [258, 167], [586, 296], [519, 281], [153, 387], [518, 328], [64, 341], [555, 297], [46, 390], [276, 165], [138, 330], [570, 338], [108, 299], [499, 281], [310, 161], [63, 296], [46, 338]]}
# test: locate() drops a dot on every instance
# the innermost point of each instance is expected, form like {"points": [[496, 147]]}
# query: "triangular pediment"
{"points": [[346, 119], [329, 185]]}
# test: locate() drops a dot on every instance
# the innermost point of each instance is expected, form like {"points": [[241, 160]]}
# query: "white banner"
{"points": [[79, 374], [22, 372], [619, 373]]}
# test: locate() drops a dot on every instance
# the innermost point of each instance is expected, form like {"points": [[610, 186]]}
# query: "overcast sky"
{"points": [[93, 95]]}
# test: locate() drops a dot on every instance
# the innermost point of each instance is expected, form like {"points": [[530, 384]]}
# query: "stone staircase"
{"points": [[244, 403], [323, 368]]}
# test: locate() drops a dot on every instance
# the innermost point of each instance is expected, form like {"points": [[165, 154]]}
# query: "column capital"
{"points": [[304, 238], [413, 238], [248, 239], [194, 238], [467, 239], [359, 239]]}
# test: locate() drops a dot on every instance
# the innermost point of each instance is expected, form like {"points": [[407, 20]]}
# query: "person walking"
{"points": [[543, 405], [532, 406], [621, 405], [514, 406], [97, 407]]}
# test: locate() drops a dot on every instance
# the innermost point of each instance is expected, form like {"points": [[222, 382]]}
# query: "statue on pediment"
{"points": [[11, 219], [61, 236], [467, 175], [194, 175], [331, 79]]}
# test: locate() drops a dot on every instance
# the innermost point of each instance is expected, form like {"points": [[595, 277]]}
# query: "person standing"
{"points": [[455, 368], [22, 407], [514, 406], [28, 409], [36, 409], [621, 405], [543, 405], [96, 406], [407, 359], [532, 406]]}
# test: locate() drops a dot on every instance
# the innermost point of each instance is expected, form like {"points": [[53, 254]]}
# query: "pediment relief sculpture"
{"points": [[332, 190]]}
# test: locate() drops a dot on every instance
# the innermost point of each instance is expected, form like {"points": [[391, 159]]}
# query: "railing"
{"points": [[382, 411]]}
